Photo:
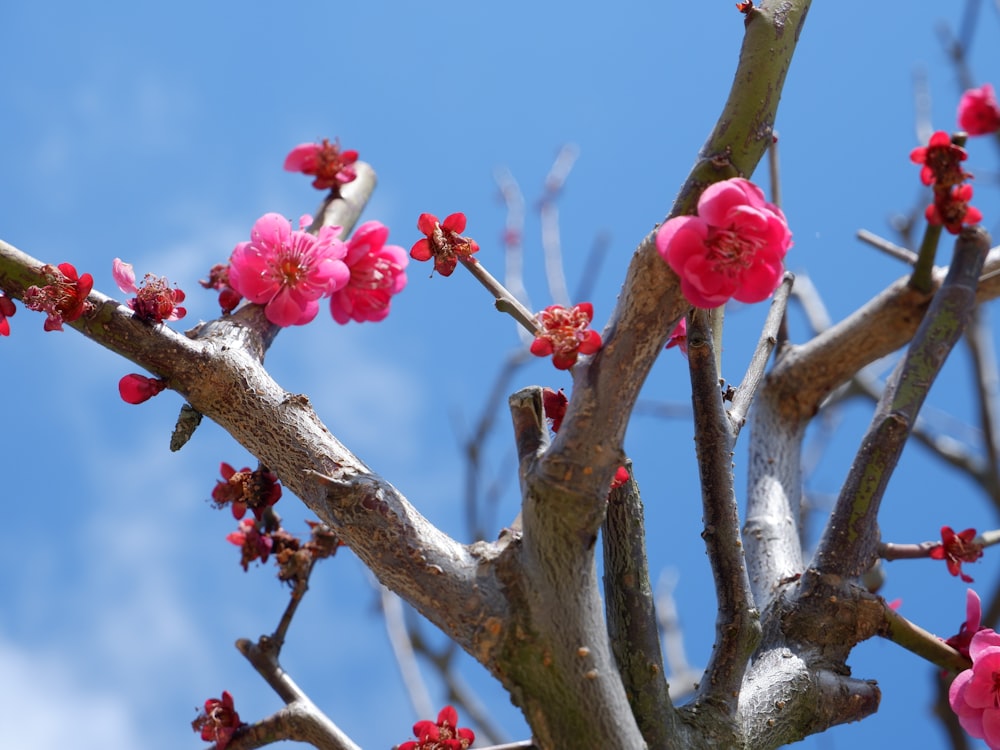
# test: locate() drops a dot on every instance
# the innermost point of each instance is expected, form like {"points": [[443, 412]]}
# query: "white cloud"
{"points": [[48, 706]]}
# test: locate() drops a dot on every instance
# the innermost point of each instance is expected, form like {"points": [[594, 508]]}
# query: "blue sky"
{"points": [[156, 133]]}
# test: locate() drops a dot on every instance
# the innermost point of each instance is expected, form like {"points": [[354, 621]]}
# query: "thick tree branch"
{"points": [[849, 543], [632, 622]]}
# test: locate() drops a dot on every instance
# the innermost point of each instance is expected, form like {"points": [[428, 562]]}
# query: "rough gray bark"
{"points": [[528, 606]]}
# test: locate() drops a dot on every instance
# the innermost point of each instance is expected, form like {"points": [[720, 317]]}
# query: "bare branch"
{"points": [[632, 622], [848, 545], [737, 627]]}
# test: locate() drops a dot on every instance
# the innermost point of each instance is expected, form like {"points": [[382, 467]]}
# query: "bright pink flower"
{"points": [[64, 298], [973, 615], [254, 544], [218, 279], [565, 333], [941, 160], [219, 722], [443, 241], [956, 549], [154, 301], [288, 271], [258, 490], [951, 208], [733, 248], [679, 337], [331, 166], [135, 389], [376, 275], [978, 111], [445, 734], [975, 694], [6, 310]]}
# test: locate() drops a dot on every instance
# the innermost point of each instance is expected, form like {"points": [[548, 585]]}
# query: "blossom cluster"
{"points": [[941, 161], [974, 694], [288, 271], [733, 248]]}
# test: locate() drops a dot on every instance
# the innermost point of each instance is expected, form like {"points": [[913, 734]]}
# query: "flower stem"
{"points": [[921, 278], [505, 301]]}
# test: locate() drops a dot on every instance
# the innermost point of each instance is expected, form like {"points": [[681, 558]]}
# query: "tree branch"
{"points": [[632, 623], [737, 627], [849, 542]]}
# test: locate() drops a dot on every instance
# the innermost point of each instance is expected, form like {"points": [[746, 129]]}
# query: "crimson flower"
{"points": [[219, 721], [6, 310], [620, 477], [956, 549], [554, 404], [134, 388], [257, 490], [733, 248], [255, 545], [978, 111], [218, 279], [973, 614], [951, 208], [941, 160], [443, 242], [288, 271], [64, 298], [444, 734], [376, 275], [565, 334], [154, 301], [331, 166], [975, 694]]}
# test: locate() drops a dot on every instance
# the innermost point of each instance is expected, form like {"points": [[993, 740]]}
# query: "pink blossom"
{"points": [[564, 332], [975, 694], [973, 615], [376, 275], [288, 271], [331, 166], [733, 248], [978, 111], [63, 298], [679, 337], [154, 301], [444, 242]]}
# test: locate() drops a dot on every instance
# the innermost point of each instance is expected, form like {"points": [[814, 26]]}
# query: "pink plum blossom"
{"points": [[975, 694], [376, 275], [733, 248], [564, 332], [331, 165], [973, 616], [288, 271], [978, 111], [154, 301]]}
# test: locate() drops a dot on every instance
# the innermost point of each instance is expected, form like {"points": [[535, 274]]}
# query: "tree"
{"points": [[528, 605]]}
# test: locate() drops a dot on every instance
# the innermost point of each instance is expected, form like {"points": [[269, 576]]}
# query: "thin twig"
{"points": [[879, 243], [979, 339], [747, 390], [549, 211], [402, 649], [505, 301], [513, 240]]}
